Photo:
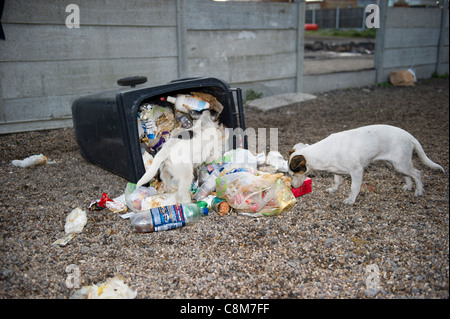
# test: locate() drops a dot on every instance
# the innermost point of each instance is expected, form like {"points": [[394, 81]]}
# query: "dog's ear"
{"points": [[298, 164], [290, 152]]}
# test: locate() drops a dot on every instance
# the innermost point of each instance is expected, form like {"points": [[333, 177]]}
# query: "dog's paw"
{"points": [[407, 187], [349, 201], [418, 192], [331, 190]]}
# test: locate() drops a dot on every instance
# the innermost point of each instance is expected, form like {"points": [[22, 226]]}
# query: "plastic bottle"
{"points": [[167, 217], [185, 103], [184, 120], [208, 186]]}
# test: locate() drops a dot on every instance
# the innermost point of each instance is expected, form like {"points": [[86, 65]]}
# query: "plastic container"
{"points": [[184, 120], [167, 217], [305, 188], [186, 103], [208, 186]]}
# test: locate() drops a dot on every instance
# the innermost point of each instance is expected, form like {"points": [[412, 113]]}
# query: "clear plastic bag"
{"points": [[134, 197], [255, 195]]}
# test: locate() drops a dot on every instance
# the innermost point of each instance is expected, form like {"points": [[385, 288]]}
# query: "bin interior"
{"points": [[106, 124]]}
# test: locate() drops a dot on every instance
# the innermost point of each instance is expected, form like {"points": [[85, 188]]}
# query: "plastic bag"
{"points": [[117, 205], [275, 159], [75, 221], [31, 161], [113, 288], [134, 197], [234, 159], [255, 195], [240, 157], [144, 198]]}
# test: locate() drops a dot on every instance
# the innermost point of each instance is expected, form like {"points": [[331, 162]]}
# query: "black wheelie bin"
{"points": [[106, 124]]}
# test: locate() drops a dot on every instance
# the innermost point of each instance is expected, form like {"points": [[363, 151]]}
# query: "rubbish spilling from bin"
{"points": [[231, 183], [234, 181], [238, 181]]}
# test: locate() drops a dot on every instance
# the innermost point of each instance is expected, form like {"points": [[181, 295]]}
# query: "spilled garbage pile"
{"points": [[238, 181], [231, 184]]}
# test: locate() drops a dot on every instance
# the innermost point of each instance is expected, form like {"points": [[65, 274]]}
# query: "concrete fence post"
{"points": [[443, 34], [379, 42], [300, 44], [181, 40]]}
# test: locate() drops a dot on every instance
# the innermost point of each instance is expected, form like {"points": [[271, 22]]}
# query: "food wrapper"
{"points": [[255, 194], [63, 241], [99, 204], [116, 206]]}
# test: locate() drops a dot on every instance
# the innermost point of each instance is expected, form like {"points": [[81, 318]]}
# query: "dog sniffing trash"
{"points": [[349, 152]]}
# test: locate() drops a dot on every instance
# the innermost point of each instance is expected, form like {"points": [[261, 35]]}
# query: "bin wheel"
{"points": [[132, 81]]}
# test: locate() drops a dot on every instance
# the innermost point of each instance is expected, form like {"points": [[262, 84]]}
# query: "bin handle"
{"points": [[132, 81]]}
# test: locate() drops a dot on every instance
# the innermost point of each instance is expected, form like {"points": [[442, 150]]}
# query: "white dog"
{"points": [[185, 151], [349, 152]]}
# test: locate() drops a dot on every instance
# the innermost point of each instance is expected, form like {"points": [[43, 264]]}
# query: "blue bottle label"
{"points": [[168, 217]]}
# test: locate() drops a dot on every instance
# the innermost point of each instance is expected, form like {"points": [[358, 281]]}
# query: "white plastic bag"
{"points": [[75, 221], [240, 157], [275, 159], [113, 288], [31, 161]]}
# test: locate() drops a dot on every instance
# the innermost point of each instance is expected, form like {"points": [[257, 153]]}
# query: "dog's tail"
{"points": [[423, 157], [159, 158]]}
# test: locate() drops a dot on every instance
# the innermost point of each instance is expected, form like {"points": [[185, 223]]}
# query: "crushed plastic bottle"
{"points": [[184, 120], [185, 103], [167, 217], [208, 186]]}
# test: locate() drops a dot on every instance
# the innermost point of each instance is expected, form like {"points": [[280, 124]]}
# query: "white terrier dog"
{"points": [[349, 152], [185, 151]]}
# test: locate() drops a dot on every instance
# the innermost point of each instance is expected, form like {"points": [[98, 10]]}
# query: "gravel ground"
{"points": [[390, 244]]}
